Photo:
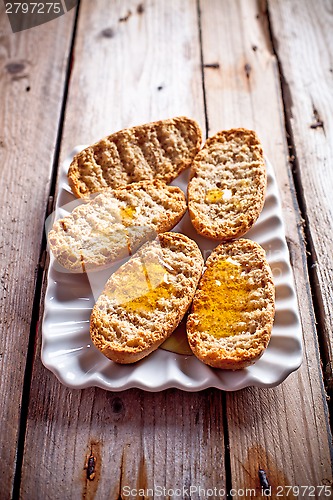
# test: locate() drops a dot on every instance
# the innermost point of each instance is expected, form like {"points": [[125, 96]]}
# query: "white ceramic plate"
{"points": [[69, 353]]}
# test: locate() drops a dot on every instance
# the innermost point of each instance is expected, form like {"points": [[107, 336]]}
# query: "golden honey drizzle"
{"points": [[214, 196], [141, 286], [226, 299], [127, 214], [217, 195]]}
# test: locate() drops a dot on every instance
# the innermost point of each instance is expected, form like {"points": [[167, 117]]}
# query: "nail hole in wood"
{"points": [[318, 122], [91, 463], [125, 18], [14, 68], [108, 33], [264, 483], [212, 65], [117, 405], [247, 69]]}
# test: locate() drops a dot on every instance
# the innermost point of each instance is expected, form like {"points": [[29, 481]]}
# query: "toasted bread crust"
{"points": [[157, 150], [226, 192], [126, 330], [114, 224], [250, 333]]}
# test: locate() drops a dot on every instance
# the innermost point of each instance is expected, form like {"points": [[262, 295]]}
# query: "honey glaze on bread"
{"points": [[227, 188], [144, 301], [114, 224], [233, 308]]}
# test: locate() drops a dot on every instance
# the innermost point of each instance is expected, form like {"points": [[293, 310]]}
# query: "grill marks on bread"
{"points": [[157, 150]]}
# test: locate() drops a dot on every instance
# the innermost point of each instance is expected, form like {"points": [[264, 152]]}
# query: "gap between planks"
{"points": [[307, 238], [202, 69]]}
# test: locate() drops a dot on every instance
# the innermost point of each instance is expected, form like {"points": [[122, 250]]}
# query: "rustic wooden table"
{"points": [[116, 63]]}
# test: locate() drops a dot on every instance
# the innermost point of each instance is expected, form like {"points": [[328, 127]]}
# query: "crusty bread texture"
{"points": [[227, 188], [146, 298], [232, 315], [157, 150], [114, 224]]}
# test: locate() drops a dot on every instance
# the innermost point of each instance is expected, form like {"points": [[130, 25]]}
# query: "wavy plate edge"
{"points": [[237, 380]]}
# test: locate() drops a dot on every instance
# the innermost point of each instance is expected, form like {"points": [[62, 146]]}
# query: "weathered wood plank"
{"points": [[33, 73], [283, 430], [305, 50], [145, 60], [125, 72]]}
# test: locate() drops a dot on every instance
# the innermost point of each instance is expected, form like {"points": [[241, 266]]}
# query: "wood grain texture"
{"points": [[305, 51], [126, 72], [170, 439], [33, 71], [283, 430]]}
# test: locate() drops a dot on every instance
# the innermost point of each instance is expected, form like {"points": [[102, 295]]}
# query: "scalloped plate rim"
{"points": [[212, 381]]}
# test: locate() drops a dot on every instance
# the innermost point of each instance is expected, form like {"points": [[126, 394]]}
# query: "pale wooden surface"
{"points": [[278, 431], [309, 85], [135, 62], [170, 438], [31, 89]]}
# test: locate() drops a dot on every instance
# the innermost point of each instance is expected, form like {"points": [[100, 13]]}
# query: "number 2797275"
{"points": [[30, 8]]}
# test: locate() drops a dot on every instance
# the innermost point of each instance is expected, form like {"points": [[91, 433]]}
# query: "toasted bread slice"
{"points": [[233, 309], [227, 190], [144, 301], [114, 224], [157, 150]]}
